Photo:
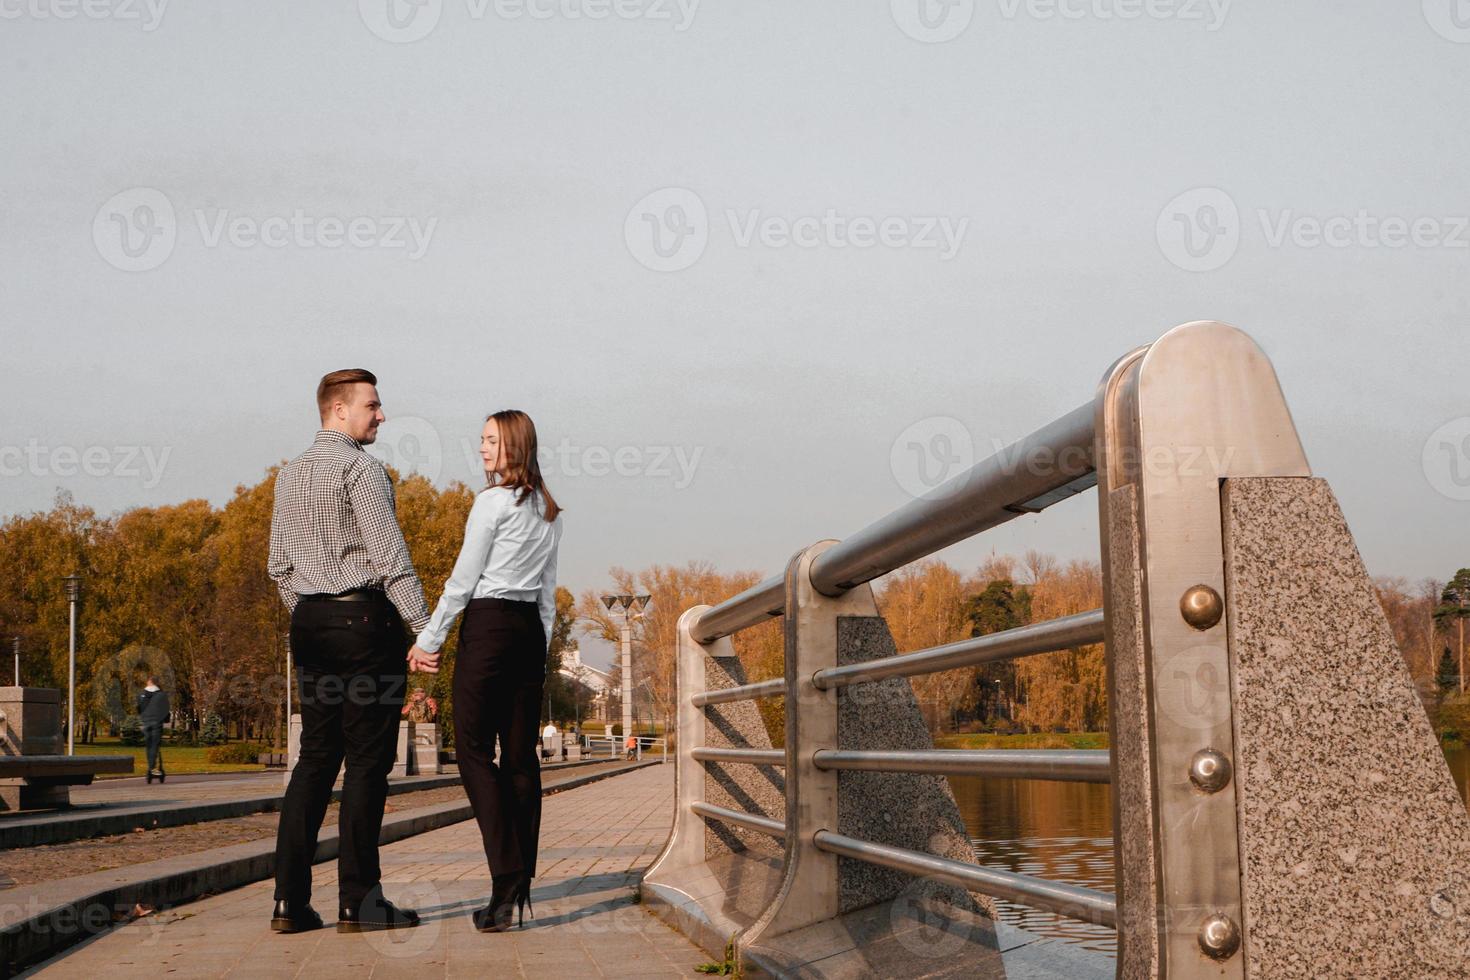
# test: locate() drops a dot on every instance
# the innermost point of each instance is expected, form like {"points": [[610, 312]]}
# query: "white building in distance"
{"points": [[598, 681]]}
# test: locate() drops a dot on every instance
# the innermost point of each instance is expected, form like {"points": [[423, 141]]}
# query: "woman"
{"points": [[505, 581]]}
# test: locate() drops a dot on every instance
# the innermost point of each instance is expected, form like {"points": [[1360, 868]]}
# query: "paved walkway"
{"points": [[595, 841]]}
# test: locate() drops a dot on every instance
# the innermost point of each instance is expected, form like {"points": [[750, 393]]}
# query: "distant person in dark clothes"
{"points": [[153, 712]]}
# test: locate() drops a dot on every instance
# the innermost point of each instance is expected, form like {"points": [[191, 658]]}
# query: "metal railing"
{"points": [[1228, 401], [987, 495], [991, 493]]}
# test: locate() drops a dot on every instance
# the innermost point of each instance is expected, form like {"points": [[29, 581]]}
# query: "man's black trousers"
{"points": [[351, 672]]}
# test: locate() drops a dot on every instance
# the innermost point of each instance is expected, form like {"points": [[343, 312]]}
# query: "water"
{"points": [[1064, 831]]}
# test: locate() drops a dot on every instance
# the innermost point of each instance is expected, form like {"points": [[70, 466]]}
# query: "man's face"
{"points": [[361, 414]]}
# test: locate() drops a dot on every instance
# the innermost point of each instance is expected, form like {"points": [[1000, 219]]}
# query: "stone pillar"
{"points": [[426, 749], [32, 721], [1355, 844], [403, 758]]}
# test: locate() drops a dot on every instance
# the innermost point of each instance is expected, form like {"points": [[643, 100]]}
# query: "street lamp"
{"points": [[15, 640], [73, 595], [631, 605]]}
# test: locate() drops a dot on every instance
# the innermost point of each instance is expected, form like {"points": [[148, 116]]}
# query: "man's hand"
{"points": [[423, 661]]}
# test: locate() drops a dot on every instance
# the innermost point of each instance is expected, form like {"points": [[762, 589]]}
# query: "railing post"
{"points": [[1202, 404], [709, 874], [810, 891], [684, 850]]}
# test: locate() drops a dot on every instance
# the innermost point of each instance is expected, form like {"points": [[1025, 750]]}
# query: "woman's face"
{"points": [[491, 451]]}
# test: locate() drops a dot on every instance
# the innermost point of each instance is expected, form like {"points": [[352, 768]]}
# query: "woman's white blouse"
{"points": [[509, 552]]}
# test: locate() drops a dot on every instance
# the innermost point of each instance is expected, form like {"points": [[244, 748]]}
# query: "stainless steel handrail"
{"points": [[1081, 629], [1073, 901], [747, 820], [1049, 465], [755, 605], [755, 757], [1075, 766], [762, 689]]}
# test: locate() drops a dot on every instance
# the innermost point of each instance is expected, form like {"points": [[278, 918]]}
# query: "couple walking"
{"points": [[339, 559]]}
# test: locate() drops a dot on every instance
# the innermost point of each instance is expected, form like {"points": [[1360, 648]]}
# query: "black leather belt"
{"points": [[356, 595]]}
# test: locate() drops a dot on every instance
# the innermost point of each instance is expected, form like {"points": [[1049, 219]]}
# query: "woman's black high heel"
{"points": [[505, 892], [523, 902]]}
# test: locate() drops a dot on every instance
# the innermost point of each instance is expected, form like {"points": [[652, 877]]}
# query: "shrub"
{"points": [[234, 753], [213, 732], [132, 730]]}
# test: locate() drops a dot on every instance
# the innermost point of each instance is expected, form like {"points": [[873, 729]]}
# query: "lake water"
{"points": [[1064, 831]]}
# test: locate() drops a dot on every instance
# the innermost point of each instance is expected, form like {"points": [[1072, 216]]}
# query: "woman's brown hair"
{"points": [[522, 468]]}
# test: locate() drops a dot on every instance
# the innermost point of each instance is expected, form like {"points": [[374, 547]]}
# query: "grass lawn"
{"points": [[176, 760], [1035, 740]]}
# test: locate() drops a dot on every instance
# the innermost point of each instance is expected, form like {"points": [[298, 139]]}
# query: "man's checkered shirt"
{"points": [[334, 529]]}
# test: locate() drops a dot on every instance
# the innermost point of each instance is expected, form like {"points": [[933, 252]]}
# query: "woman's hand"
{"points": [[423, 661]]}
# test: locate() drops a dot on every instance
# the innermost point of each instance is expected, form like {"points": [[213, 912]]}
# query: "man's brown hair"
{"points": [[334, 386]]}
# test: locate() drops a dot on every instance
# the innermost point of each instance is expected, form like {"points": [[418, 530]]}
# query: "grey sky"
{"points": [[518, 146]]}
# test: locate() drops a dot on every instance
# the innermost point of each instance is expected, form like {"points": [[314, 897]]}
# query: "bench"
{"points": [[29, 782]]}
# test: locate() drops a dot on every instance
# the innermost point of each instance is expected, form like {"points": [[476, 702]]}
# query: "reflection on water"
{"points": [[1459, 760], [1063, 831]]}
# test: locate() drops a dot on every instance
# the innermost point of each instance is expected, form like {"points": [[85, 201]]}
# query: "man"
{"points": [[338, 557], [153, 712]]}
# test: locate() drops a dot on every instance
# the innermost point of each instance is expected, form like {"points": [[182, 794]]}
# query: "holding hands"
{"points": [[423, 661]]}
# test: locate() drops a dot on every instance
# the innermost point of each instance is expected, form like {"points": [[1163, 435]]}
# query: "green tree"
{"points": [[1454, 607], [998, 607], [1447, 677]]}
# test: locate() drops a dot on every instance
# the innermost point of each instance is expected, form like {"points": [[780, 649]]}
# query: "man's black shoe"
{"points": [[294, 917], [377, 913]]}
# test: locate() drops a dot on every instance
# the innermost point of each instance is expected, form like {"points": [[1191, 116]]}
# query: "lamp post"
{"points": [[15, 640], [73, 595], [631, 605]]}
